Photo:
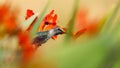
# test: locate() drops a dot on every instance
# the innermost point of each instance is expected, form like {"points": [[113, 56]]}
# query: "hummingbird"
{"points": [[44, 36]]}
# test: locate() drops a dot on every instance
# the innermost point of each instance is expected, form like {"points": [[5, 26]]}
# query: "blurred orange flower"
{"points": [[82, 24], [8, 20], [27, 48]]}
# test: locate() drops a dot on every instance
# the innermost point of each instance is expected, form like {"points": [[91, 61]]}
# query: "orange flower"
{"points": [[8, 18], [27, 48], [49, 22], [93, 27], [82, 24], [29, 13]]}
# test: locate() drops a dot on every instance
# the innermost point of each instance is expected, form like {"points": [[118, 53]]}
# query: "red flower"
{"points": [[8, 18], [82, 24], [93, 27], [27, 48], [49, 22], [29, 13]]}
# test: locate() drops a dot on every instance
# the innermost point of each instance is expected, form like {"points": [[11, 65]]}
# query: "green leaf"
{"points": [[104, 19], [86, 55], [115, 33], [110, 20]]}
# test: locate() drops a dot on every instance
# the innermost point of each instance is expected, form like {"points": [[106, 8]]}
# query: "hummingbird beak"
{"points": [[59, 31]]}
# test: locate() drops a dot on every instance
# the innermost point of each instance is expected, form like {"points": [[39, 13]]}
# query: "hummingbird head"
{"points": [[56, 31]]}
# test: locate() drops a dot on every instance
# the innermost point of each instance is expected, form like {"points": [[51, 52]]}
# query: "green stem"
{"points": [[37, 23], [70, 28], [110, 20]]}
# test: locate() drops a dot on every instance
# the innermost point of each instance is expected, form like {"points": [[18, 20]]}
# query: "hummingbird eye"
{"points": [[58, 29]]}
